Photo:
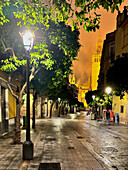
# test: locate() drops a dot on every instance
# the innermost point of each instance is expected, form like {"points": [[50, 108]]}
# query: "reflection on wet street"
{"points": [[58, 142], [75, 143], [104, 141]]}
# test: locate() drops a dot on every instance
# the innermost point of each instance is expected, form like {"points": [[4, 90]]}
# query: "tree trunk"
{"points": [[51, 109], [47, 107], [63, 109], [70, 108], [41, 110], [33, 119], [99, 112], [17, 138], [59, 110]]}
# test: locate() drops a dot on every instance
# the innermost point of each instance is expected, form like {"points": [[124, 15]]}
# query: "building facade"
{"points": [[120, 106], [108, 55], [7, 103], [115, 45], [82, 89]]}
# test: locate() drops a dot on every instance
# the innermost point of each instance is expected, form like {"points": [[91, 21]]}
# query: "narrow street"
{"points": [[58, 143], [73, 144]]}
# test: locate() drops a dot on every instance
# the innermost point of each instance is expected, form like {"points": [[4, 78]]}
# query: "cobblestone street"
{"points": [[54, 142], [77, 144], [108, 142]]}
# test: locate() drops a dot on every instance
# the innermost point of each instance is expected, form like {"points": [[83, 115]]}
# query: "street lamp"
{"points": [[93, 97], [94, 108], [59, 100], [28, 38], [108, 91]]}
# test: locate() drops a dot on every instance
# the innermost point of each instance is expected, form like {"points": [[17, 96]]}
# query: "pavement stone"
{"points": [[115, 128], [54, 141]]}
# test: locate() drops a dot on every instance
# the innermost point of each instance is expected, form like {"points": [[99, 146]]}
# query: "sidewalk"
{"points": [[54, 142], [116, 128]]}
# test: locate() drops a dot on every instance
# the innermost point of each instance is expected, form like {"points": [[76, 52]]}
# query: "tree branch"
{"points": [[9, 48], [22, 90], [33, 73], [14, 95], [37, 70]]}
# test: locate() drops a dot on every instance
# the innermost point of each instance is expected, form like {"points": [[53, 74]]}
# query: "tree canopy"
{"points": [[100, 99], [117, 75], [75, 13], [37, 15], [64, 44], [54, 48]]}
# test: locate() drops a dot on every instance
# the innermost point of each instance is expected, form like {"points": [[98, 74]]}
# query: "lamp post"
{"points": [[34, 100], [95, 108], [108, 91], [93, 97], [28, 145], [59, 100]]}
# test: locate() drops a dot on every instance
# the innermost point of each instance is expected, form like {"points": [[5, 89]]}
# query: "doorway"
{"points": [[3, 111]]}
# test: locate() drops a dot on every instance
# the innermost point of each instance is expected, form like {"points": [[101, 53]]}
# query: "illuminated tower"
{"points": [[72, 79], [83, 89], [96, 63]]}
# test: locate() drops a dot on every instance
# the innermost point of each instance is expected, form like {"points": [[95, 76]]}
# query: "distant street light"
{"points": [[28, 39], [94, 108], [93, 97], [108, 90], [59, 99]]}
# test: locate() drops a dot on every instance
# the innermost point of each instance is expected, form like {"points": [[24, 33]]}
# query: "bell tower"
{"points": [[72, 79], [96, 58]]}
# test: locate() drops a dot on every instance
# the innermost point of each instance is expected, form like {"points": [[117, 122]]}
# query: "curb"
{"points": [[115, 133]]}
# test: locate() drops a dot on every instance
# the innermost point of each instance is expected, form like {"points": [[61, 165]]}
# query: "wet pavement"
{"points": [[75, 144], [108, 142], [54, 142]]}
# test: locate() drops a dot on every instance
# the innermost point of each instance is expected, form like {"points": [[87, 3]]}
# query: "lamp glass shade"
{"points": [[93, 96], [28, 38], [59, 99], [108, 90]]}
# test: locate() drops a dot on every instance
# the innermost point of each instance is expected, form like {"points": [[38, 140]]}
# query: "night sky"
{"points": [[82, 68]]}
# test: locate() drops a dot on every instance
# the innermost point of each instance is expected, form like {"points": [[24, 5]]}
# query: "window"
{"points": [[122, 109], [125, 38], [112, 51], [96, 60]]}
